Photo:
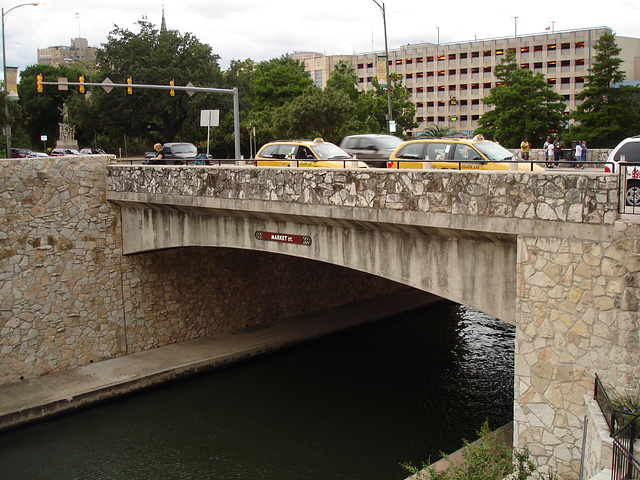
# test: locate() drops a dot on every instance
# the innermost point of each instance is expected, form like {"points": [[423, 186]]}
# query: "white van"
{"points": [[627, 150]]}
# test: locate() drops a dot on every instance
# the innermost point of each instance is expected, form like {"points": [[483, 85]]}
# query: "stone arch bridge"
{"points": [[547, 252]]}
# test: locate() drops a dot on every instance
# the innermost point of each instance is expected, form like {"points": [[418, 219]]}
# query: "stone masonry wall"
{"points": [[68, 297], [577, 316]]}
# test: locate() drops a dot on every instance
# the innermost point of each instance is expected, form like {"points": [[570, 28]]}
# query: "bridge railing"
{"points": [[623, 430]]}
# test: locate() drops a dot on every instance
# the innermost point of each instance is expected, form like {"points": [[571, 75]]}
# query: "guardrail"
{"points": [[622, 427]]}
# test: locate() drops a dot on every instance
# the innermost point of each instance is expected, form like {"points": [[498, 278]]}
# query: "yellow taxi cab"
{"points": [[457, 154], [305, 153]]}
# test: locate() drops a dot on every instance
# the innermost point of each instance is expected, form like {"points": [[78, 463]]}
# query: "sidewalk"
{"points": [[38, 398]]}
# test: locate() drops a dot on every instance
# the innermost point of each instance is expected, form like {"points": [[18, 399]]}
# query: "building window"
{"points": [[499, 52], [409, 76], [524, 65], [463, 86], [486, 53], [398, 62], [551, 64], [463, 103], [420, 90], [486, 85], [419, 74], [452, 56], [524, 49], [463, 71], [369, 64], [409, 61], [441, 103], [475, 102], [360, 66], [452, 88], [440, 58], [475, 70], [441, 73], [429, 59], [463, 56], [441, 88], [579, 80], [430, 104], [419, 104], [429, 74], [419, 60], [566, 63], [429, 89], [429, 119], [565, 46], [475, 54], [537, 48], [475, 86], [318, 77], [551, 47], [537, 65], [486, 69], [551, 81], [579, 62], [579, 45]]}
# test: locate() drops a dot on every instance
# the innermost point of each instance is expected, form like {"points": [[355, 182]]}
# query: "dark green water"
{"points": [[352, 406]]}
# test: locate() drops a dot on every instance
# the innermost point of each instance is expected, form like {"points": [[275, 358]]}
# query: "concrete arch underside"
{"points": [[470, 268]]}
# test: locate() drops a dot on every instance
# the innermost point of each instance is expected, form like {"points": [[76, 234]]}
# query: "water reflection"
{"points": [[352, 406]]}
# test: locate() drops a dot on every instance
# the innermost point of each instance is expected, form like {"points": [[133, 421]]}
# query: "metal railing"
{"points": [[623, 430]]}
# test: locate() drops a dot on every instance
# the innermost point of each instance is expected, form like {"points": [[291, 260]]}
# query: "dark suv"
{"points": [[175, 154]]}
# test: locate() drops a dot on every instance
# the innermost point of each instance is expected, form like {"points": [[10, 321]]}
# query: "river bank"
{"points": [[39, 398]]}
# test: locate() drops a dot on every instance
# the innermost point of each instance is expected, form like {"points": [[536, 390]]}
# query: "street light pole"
{"points": [[4, 70], [386, 51]]}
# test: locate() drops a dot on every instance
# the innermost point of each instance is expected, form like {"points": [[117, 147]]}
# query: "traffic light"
{"points": [[129, 89], [39, 85], [81, 88], [453, 101], [453, 118], [172, 92]]}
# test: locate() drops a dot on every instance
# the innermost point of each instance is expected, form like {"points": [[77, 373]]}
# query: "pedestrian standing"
{"points": [[578, 154], [524, 149], [546, 152], [584, 152], [550, 154], [557, 151]]}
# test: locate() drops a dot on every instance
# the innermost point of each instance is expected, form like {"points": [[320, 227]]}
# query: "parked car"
{"points": [[457, 153], [175, 153], [37, 154], [305, 153], [370, 146], [628, 150], [59, 152], [20, 152], [92, 151]]}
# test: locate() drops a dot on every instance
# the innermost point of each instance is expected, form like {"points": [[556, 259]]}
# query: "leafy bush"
{"points": [[487, 459], [629, 404]]}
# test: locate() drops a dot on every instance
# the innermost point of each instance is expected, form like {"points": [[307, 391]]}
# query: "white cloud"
{"points": [[262, 30]]}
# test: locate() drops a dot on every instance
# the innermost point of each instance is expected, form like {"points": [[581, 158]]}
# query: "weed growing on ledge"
{"points": [[487, 459]]}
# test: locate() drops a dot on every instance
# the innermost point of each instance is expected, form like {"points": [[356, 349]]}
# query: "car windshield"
{"points": [[328, 151], [494, 152], [629, 152]]}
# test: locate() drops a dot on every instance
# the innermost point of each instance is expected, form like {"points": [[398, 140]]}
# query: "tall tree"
{"points": [[279, 80], [525, 105], [609, 112], [43, 111], [153, 57]]}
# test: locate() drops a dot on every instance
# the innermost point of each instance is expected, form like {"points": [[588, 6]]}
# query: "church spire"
{"points": [[163, 24]]}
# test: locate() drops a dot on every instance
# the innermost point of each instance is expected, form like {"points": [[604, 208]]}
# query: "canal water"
{"points": [[351, 406]]}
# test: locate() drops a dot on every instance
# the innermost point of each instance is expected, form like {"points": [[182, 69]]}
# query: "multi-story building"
{"points": [[78, 52], [465, 71]]}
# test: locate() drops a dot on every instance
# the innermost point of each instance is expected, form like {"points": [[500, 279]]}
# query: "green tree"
{"points": [[525, 105], [151, 57], [373, 107], [608, 112], [279, 80], [43, 111], [316, 113]]}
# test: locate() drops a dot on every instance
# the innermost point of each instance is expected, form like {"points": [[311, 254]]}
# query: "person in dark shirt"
{"points": [[159, 158]]}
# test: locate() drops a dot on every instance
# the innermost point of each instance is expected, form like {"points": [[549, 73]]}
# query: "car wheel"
{"points": [[633, 193]]}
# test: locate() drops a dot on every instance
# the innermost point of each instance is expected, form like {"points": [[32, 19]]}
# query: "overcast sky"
{"points": [[260, 30]]}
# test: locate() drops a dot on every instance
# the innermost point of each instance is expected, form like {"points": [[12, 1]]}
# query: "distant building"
{"points": [[78, 52], [437, 74]]}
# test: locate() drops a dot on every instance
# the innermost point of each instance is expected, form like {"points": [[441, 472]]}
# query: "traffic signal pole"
{"points": [[108, 85]]}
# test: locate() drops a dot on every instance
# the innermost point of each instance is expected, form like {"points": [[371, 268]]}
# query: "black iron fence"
{"points": [[623, 429]]}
